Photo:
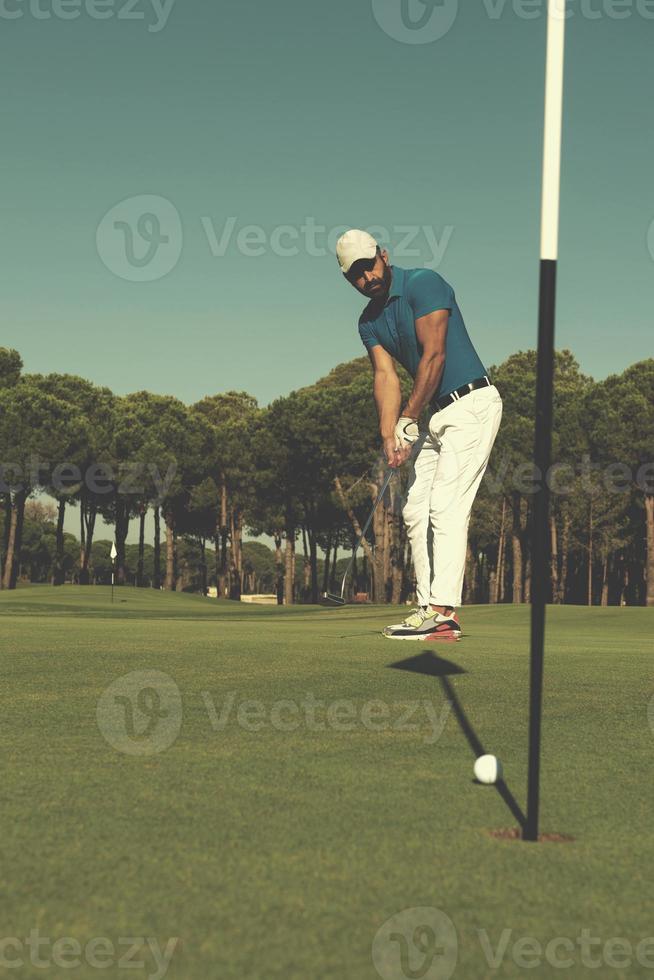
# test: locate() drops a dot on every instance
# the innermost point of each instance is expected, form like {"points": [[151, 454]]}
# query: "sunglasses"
{"points": [[361, 266]]}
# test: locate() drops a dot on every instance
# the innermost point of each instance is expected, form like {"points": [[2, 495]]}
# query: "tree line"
{"points": [[304, 471]]}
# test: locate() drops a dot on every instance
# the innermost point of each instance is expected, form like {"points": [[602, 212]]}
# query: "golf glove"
{"points": [[406, 431]]}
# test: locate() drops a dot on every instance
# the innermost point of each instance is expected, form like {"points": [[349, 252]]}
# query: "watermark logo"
{"points": [[416, 944], [317, 240], [99, 952], [420, 718], [564, 952], [155, 12], [130, 477], [569, 9], [422, 944], [415, 21], [650, 239], [426, 21], [140, 239], [141, 713]]}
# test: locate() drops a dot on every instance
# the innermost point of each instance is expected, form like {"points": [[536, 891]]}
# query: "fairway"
{"points": [[256, 803]]}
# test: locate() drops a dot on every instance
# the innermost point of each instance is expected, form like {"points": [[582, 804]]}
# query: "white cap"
{"points": [[352, 246]]}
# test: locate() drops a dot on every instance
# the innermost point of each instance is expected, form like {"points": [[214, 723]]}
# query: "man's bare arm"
{"points": [[386, 387], [431, 331], [388, 398]]}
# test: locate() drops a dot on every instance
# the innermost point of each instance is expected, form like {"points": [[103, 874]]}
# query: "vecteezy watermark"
{"points": [[416, 943], [562, 479], [317, 241], [588, 9], [141, 240], [423, 942], [156, 12], [140, 713], [129, 477], [415, 21], [650, 713], [585, 478], [99, 952], [313, 715], [650, 233], [564, 952], [426, 21]]}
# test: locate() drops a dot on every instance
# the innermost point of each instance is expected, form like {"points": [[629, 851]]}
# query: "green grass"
{"points": [[276, 853]]}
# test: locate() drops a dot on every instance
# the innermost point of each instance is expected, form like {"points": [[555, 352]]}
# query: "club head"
{"points": [[338, 600]]}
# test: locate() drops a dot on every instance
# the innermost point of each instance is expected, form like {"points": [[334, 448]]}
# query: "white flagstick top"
{"points": [[556, 17], [113, 551]]}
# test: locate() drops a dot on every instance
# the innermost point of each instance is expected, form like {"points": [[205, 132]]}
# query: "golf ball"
{"points": [[488, 769]]}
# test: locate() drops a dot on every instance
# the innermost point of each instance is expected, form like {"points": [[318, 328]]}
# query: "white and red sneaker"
{"points": [[425, 624]]}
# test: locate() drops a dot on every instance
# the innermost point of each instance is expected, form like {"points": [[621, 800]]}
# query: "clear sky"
{"points": [[311, 116]]}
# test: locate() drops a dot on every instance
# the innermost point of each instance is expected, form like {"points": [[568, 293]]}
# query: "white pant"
{"points": [[444, 483]]}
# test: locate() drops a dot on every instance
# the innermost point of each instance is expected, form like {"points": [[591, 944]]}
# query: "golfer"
{"points": [[412, 317]]}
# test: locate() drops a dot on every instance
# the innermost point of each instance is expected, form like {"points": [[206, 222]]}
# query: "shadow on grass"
{"points": [[428, 663], [433, 666]]}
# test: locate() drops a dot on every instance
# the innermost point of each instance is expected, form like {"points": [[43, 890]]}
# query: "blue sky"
{"points": [[219, 116]]}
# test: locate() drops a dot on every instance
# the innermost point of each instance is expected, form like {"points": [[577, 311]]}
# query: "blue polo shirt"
{"points": [[415, 293]]}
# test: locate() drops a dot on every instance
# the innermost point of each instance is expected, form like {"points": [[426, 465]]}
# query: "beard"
{"points": [[378, 287]]}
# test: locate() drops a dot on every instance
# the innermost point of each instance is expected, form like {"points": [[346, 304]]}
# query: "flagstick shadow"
{"points": [[434, 666]]}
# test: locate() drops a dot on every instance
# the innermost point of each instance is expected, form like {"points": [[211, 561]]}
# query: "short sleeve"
{"points": [[367, 334], [428, 292]]}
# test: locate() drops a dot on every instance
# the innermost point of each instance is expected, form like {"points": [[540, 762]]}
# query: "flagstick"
{"points": [[544, 387], [113, 567]]}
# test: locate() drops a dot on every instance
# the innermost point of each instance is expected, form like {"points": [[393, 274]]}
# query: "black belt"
{"points": [[440, 403]]}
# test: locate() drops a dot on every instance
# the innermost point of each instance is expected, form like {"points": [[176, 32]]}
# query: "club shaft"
{"points": [[379, 499], [415, 451]]}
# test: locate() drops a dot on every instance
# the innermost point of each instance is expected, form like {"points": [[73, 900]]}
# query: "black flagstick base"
{"points": [[540, 534]]}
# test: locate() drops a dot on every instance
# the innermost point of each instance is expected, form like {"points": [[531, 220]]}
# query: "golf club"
{"points": [[339, 600]]}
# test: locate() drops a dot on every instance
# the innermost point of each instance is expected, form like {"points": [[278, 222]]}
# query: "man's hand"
{"points": [[406, 431], [396, 456]]}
